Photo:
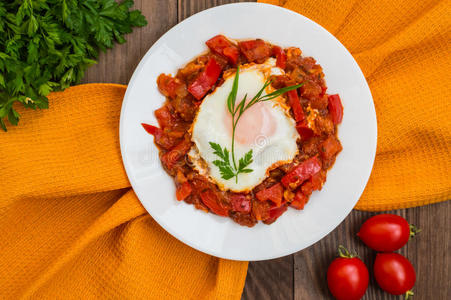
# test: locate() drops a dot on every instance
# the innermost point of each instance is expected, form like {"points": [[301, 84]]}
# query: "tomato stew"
{"points": [[316, 113]]}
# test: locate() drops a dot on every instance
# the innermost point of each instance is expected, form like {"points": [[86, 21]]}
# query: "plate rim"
{"points": [[140, 66]]}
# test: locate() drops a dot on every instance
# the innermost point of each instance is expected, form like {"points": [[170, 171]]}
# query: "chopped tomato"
{"points": [[170, 158], [301, 172], [210, 199], [280, 56], [165, 141], [307, 188], [240, 203], [273, 194], [255, 50], [205, 81], [153, 130], [183, 191], [222, 46], [317, 180], [330, 147], [295, 104], [275, 213], [304, 131], [335, 108], [164, 116], [299, 201], [170, 86], [261, 210], [310, 89]]}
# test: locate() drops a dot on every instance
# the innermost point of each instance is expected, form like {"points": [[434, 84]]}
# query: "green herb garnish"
{"points": [[229, 169], [46, 45]]}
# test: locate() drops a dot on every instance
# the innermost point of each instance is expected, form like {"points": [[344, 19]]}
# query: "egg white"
{"points": [[268, 151]]}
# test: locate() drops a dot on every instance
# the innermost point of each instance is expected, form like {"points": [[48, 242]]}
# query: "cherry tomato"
{"points": [[386, 232], [347, 276], [394, 273]]}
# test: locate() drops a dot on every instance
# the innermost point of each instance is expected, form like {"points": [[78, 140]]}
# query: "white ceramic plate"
{"points": [[294, 230]]}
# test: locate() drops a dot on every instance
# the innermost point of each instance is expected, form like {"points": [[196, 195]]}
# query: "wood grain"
{"points": [[301, 275]]}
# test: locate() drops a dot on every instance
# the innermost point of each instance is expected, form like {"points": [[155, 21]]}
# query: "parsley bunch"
{"points": [[46, 45]]}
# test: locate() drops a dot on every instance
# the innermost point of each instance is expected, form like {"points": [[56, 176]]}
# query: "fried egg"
{"points": [[267, 128]]}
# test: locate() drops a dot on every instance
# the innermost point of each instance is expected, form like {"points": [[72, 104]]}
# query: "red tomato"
{"points": [[394, 273], [347, 276], [386, 232]]}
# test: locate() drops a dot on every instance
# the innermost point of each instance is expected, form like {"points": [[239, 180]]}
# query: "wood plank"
{"points": [[429, 252], [270, 279], [118, 64], [187, 8]]}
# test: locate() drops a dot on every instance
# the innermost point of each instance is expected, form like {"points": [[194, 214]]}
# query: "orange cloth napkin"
{"points": [[404, 49], [71, 227]]}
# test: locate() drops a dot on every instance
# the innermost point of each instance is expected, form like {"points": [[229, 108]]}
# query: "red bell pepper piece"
{"points": [[183, 191], [222, 46], [299, 201], [301, 172], [179, 151], [240, 203], [255, 50], [281, 57], [153, 130], [273, 194], [295, 104], [210, 199], [165, 141], [335, 108], [304, 131], [205, 81]]}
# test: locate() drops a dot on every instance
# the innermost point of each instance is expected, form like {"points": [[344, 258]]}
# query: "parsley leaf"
{"points": [[226, 170], [47, 45]]}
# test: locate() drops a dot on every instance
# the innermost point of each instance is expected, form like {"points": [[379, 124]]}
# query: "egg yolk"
{"points": [[255, 125]]}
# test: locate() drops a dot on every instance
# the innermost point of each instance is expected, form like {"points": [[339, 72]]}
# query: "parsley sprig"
{"points": [[46, 45], [229, 169]]}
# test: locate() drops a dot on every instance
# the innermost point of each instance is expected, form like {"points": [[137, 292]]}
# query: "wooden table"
{"points": [[301, 275]]}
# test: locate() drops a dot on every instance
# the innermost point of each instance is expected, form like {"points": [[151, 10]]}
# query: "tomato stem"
{"points": [[344, 253], [413, 231], [408, 294]]}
